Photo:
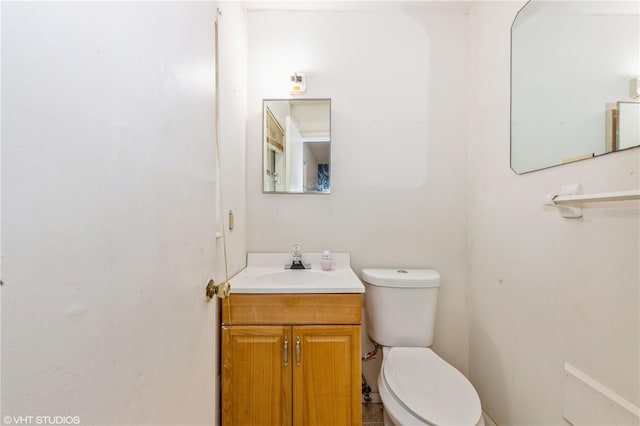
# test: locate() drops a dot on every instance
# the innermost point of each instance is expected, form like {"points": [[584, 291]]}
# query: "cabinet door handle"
{"points": [[286, 351], [298, 351]]}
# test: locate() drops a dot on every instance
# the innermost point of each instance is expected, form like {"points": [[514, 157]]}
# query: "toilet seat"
{"points": [[429, 388]]}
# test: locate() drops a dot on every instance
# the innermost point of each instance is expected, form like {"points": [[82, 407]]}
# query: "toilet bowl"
{"points": [[416, 386]]}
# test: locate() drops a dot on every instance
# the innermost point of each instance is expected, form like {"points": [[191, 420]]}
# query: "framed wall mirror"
{"points": [[296, 146], [574, 65]]}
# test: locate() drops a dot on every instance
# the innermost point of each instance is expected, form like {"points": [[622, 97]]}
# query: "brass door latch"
{"points": [[220, 290]]}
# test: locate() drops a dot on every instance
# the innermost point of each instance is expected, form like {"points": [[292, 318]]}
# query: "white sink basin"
{"points": [[298, 277], [265, 273]]}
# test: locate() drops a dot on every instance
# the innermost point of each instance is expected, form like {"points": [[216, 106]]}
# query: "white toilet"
{"points": [[417, 387]]}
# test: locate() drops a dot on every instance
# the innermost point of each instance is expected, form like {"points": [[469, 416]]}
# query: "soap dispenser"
{"points": [[325, 261]]}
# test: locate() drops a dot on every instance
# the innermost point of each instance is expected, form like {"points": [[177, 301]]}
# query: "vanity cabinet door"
{"points": [[326, 375], [256, 375]]}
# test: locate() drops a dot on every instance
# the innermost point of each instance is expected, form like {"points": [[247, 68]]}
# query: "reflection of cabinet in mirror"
{"points": [[611, 126], [622, 125], [274, 167]]}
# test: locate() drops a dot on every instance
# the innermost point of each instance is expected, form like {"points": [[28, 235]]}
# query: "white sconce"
{"points": [[298, 84], [635, 87]]}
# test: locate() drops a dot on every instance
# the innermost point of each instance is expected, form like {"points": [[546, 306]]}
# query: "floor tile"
{"points": [[372, 414]]}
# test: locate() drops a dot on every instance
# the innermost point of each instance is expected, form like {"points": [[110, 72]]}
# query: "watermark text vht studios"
{"points": [[40, 420]]}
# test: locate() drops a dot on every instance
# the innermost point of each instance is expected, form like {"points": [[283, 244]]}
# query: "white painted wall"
{"points": [[108, 209], [310, 168], [232, 57], [232, 29], [544, 290], [294, 156], [398, 85]]}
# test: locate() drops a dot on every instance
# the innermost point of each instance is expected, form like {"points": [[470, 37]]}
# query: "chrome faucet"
{"points": [[296, 259]]}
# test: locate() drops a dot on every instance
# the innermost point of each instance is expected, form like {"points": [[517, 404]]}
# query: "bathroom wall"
{"points": [[232, 29], [232, 57], [108, 208], [544, 290], [397, 80]]}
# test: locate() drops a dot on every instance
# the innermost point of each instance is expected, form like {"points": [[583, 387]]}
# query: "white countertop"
{"points": [[265, 273]]}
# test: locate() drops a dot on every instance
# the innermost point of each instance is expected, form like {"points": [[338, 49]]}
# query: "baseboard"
{"points": [[488, 421], [589, 402]]}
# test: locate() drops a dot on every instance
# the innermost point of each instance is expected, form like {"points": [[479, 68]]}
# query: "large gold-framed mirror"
{"points": [[296, 146]]}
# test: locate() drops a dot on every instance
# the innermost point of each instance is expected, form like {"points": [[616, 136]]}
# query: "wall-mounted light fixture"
{"points": [[635, 87], [298, 83]]}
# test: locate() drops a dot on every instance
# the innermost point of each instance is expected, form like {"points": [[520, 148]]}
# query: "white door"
{"points": [[294, 157], [281, 173], [108, 211]]}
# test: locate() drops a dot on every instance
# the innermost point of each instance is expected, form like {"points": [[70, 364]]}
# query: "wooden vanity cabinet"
{"points": [[291, 360], [256, 386]]}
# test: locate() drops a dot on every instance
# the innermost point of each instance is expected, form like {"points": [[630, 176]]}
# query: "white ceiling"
{"points": [[254, 6], [313, 117]]}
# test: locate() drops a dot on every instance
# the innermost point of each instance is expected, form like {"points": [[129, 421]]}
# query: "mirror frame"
{"points": [[262, 143]]}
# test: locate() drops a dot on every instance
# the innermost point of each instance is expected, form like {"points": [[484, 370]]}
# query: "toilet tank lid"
{"points": [[407, 278]]}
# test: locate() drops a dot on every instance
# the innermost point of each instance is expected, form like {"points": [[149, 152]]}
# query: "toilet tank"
{"points": [[400, 305]]}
